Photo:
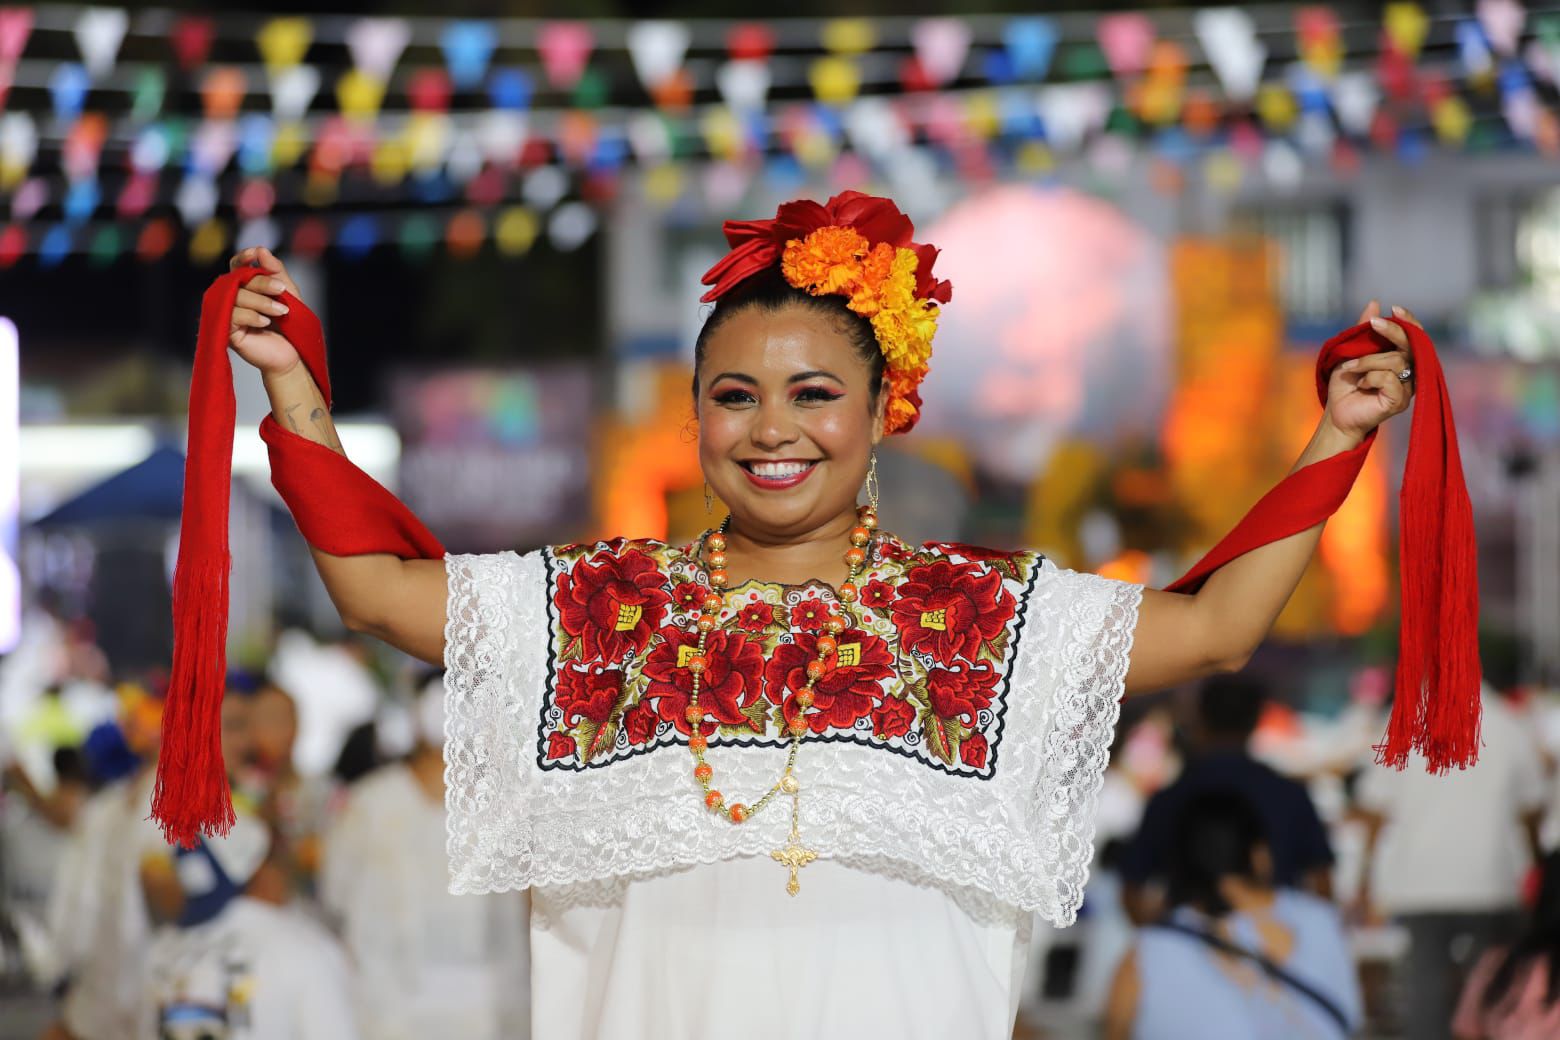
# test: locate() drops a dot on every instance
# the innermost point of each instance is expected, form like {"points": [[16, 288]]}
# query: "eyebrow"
{"points": [[800, 377]]}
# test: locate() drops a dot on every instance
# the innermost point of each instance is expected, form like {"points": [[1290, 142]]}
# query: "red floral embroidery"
{"points": [[894, 549], [756, 617], [892, 718], [689, 596], [559, 745], [612, 604], [973, 751], [843, 694], [876, 594], [640, 723], [732, 678], [971, 552], [588, 694], [949, 609], [961, 695], [810, 614]]}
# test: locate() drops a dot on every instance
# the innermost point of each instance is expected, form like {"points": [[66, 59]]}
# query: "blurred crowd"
{"points": [[1257, 874], [323, 913]]}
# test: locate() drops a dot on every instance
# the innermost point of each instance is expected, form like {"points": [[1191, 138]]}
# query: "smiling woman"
{"points": [[797, 761]]}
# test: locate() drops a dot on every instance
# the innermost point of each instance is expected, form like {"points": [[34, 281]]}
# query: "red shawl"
{"points": [[343, 511]]}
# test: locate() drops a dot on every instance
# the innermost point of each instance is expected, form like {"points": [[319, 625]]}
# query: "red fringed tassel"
{"points": [[1436, 709], [192, 790], [192, 794]]}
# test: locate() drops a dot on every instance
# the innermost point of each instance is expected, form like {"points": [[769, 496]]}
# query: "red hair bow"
{"points": [[757, 245]]}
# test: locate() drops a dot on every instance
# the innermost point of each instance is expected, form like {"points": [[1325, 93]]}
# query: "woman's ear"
{"points": [[879, 415]]}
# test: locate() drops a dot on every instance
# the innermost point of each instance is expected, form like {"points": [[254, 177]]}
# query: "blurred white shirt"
{"points": [[429, 964], [97, 914], [1454, 843], [257, 971]]}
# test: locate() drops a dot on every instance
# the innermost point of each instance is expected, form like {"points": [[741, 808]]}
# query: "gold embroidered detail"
{"points": [[936, 620], [848, 655], [685, 654], [628, 615]]}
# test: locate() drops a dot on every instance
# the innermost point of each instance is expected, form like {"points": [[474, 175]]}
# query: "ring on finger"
{"points": [[1407, 374]]}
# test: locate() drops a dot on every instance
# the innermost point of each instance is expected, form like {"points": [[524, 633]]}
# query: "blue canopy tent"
{"points": [[152, 489], [131, 520]]}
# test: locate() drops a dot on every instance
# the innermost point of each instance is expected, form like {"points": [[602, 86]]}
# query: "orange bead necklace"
{"points": [[712, 559]]}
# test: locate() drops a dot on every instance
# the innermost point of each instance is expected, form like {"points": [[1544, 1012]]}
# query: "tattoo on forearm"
{"points": [[291, 421], [321, 420]]}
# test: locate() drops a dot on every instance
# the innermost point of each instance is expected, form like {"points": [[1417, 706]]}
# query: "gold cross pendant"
{"points": [[796, 856]]}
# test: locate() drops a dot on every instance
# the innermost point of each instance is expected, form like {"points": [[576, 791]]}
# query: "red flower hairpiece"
{"points": [[757, 245]]}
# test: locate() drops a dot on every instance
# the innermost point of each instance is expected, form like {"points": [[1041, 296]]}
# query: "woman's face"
{"points": [[786, 420]]}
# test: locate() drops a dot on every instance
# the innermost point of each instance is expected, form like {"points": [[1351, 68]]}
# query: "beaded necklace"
{"points": [[711, 558]]}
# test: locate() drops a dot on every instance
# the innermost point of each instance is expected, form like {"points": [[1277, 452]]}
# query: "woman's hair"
{"points": [[770, 292], [1538, 944], [1216, 836]]}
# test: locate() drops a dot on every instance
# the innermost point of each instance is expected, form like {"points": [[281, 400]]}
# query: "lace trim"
{"points": [[1093, 671], [1024, 840], [487, 663]]}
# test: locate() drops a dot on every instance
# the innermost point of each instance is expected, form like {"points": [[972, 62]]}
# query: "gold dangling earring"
{"points": [[872, 481], [709, 499]]}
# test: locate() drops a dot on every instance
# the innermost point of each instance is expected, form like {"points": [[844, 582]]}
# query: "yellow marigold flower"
{"points": [[826, 261]]}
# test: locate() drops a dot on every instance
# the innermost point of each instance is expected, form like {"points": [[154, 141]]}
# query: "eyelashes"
{"points": [[807, 395]]}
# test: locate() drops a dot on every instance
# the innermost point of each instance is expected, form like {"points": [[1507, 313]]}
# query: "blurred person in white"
{"points": [[1446, 857], [35, 828], [930, 731], [236, 961], [97, 924], [428, 963], [1235, 957]]}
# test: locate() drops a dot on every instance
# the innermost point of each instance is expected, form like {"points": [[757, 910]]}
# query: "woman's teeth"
{"points": [[778, 470]]}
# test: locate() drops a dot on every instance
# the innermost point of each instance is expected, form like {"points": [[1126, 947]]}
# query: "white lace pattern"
{"points": [[1023, 838]]}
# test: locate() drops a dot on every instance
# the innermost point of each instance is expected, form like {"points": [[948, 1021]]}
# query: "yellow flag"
{"points": [[835, 81], [390, 161], [209, 241], [515, 231], [359, 95], [1276, 106], [1406, 26], [722, 133], [663, 184], [1452, 120], [289, 144], [284, 41], [848, 36]]}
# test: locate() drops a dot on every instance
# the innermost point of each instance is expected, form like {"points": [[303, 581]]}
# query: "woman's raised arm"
{"points": [[1184, 637], [399, 601]]}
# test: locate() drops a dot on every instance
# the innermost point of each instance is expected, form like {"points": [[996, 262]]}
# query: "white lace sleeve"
{"points": [[1091, 622], [495, 601]]}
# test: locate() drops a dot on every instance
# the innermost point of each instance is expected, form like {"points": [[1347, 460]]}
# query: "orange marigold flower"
{"points": [[826, 261], [876, 269], [899, 414]]}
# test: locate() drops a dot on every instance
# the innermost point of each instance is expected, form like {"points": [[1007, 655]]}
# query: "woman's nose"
{"points": [[773, 426]]}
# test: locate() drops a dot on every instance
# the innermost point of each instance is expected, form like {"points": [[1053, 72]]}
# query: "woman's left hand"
{"points": [[1365, 392]]}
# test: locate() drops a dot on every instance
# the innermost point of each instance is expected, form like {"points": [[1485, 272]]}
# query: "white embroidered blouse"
{"points": [[949, 781]]}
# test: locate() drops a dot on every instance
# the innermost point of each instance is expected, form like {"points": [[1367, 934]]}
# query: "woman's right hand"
{"points": [[251, 334]]}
